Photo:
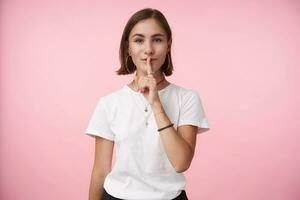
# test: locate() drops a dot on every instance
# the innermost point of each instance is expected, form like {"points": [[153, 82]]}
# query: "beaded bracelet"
{"points": [[165, 127]]}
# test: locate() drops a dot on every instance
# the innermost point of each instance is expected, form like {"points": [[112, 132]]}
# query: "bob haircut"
{"points": [[143, 14]]}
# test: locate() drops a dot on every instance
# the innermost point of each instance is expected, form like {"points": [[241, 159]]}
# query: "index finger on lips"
{"points": [[149, 67]]}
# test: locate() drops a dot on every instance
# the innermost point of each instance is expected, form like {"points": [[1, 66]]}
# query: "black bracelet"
{"points": [[165, 127]]}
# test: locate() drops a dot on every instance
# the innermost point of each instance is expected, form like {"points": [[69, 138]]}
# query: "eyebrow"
{"points": [[141, 35]]}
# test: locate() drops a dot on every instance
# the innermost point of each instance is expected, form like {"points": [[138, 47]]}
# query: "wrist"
{"points": [[157, 107]]}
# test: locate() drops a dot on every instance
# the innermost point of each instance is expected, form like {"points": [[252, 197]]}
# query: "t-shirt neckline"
{"points": [[159, 91]]}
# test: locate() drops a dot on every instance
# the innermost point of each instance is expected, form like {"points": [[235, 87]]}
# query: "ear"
{"points": [[129, 52], [128, 49]]}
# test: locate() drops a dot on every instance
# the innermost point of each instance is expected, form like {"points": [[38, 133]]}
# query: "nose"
{"points": [[148, 48]]}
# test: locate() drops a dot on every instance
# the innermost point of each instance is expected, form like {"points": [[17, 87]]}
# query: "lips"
{"points": [[145, 59]]}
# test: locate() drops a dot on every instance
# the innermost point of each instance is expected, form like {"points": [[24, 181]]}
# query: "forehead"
{"points": [[147, 28]]}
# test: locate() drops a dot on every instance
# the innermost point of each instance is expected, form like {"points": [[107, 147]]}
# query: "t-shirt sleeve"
{"points": [[99, 123], [192, 112]]}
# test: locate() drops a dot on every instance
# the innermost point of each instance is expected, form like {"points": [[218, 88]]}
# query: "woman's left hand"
{"points": [[147, 85]]}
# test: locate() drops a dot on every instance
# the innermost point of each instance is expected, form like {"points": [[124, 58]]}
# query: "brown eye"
{"points": [[138, 40], [157, 40]]}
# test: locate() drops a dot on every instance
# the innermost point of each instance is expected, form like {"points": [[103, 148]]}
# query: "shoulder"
{"points": [[112, 97], [185, 92], [187, 97]]}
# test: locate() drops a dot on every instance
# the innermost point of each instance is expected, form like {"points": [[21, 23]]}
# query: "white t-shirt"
{"points": [[142, 170]]}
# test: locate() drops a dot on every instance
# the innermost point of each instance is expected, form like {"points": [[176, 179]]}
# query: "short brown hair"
{"points": [[143, 14]]}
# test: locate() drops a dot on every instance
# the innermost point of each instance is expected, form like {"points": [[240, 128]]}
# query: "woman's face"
{"points": [[148, 39]]}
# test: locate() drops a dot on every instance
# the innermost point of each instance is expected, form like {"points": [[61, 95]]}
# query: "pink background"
{"points": [[58, 57]]}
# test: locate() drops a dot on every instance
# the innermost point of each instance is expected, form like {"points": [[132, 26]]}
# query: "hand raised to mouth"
{"points": [[147, 84]]}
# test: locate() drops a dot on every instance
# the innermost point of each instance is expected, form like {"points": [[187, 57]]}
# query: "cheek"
{"points": [[135, 48], [135, 53], [161, 50], [162, 55]]}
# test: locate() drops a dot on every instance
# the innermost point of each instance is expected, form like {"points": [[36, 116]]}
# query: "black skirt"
{"points": [[106, 196]]}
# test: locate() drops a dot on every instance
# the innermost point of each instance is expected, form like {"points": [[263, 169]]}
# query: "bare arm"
{"points": [[179, 145], [102, 166]]}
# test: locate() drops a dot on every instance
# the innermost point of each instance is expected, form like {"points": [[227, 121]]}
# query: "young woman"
{"points": [[152, 122]]}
